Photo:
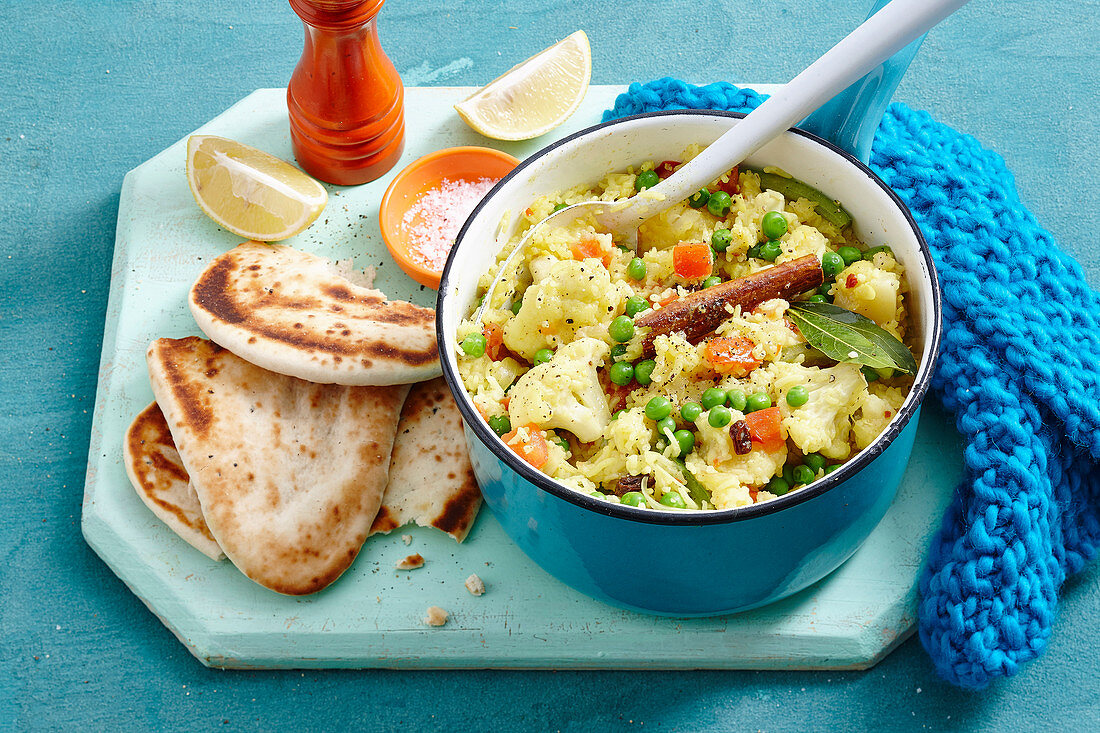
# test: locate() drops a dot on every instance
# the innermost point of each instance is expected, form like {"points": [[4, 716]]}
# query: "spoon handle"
{"points": [[879, 37]]}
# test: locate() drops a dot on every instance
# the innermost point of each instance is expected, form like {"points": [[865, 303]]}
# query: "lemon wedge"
{"points": [[534, 96], [250, 192]]}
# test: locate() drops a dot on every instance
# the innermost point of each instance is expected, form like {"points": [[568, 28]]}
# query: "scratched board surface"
{"points": [[373, 616]]}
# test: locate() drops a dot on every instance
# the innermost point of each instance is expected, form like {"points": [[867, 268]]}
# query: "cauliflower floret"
{"points": [[574, 294], [679, 223], [823, 424], [877, 408], [564, 392], [872, 291], [802, 240]]}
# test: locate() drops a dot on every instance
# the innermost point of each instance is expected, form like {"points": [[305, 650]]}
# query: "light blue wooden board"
{"points": [[372, 616]]}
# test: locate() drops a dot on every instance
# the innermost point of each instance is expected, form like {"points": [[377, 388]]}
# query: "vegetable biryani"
{"points": [[751, 345]]}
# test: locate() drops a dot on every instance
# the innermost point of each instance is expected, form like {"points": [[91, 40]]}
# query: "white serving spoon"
{"points": [[879, 37]]}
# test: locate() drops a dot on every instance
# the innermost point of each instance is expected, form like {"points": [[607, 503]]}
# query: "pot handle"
{"points": [[851, 118]]}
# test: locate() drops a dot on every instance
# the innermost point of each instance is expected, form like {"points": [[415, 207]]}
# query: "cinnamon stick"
{"points": [[698, 314]]}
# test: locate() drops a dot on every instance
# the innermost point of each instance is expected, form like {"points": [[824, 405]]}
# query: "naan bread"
{"points": [[431, 480], [159, 478], [293, 313], [289, 474]]}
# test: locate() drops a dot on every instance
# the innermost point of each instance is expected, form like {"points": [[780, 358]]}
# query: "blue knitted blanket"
{"points": [[1017, 369]]}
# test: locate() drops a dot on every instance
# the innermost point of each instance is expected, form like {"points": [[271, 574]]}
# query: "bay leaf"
{"points": [[849, 337]]}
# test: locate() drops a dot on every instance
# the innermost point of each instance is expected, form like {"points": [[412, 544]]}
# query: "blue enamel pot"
{"points": [[688, 563]]}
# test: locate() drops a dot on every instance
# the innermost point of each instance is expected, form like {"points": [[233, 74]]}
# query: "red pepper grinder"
{"points": [[346, 100]]}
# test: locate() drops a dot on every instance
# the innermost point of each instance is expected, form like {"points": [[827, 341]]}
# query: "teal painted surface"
{"points": [[90, 90]]}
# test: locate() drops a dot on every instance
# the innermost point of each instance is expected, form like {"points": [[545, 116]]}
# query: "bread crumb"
{"points": [[475, 585], [412, 562], [407, 539], [436, 616]]}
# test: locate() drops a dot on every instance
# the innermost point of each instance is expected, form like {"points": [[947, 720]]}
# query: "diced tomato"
{"points": [[667, 168], [753, 491], [692, 259], [481, 411], [590, 248], [766, 428], [732, 184], [533, 450], [851, 281], [504, 402], [494, 341], [732, 355]]}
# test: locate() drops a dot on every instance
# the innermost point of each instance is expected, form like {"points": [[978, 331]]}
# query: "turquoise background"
{"points": [[91, 89]]}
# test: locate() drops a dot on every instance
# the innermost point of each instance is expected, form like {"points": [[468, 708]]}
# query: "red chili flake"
{"points": [[742, 439], [666, 169], [887, 414], [851, 281]]}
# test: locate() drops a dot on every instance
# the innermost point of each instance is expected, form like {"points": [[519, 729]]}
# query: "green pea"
{"points": [[831, 264], [770, 250], [646, 179], [802, 474], [543, 355], [788, 474], [474, 345], [643, 370], [778, 486], [621, 373], [713, 397], [719, 416], [825, 289], [711, 281], [817, 299], [798, 396], [736, 400], [615, 416], [720, 240], [559, 207], [658, 408], [757, 401], [830, 469], [849, 254], [598, 495], [618, 351], [516, 306], [773, 224], [691, 411], [686, 440], [666, 425], [719, 203], [635, 304], [754, 251], [869, 254], [673, 500], [633, 498], [636, 269], [869, 374], [562, 442], [500, 424], [621, 329], [699, 199], [815, 461]]}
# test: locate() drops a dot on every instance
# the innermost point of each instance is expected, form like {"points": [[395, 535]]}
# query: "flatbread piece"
{"points": [[289, 473], [293, 313], [431, 479], [159, 478]]}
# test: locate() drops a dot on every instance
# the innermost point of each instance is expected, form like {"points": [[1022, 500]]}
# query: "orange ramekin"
{"points": [[468, 163]]}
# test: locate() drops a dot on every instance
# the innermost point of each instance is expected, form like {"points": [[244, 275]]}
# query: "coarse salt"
{"points": [[432, 223]]}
